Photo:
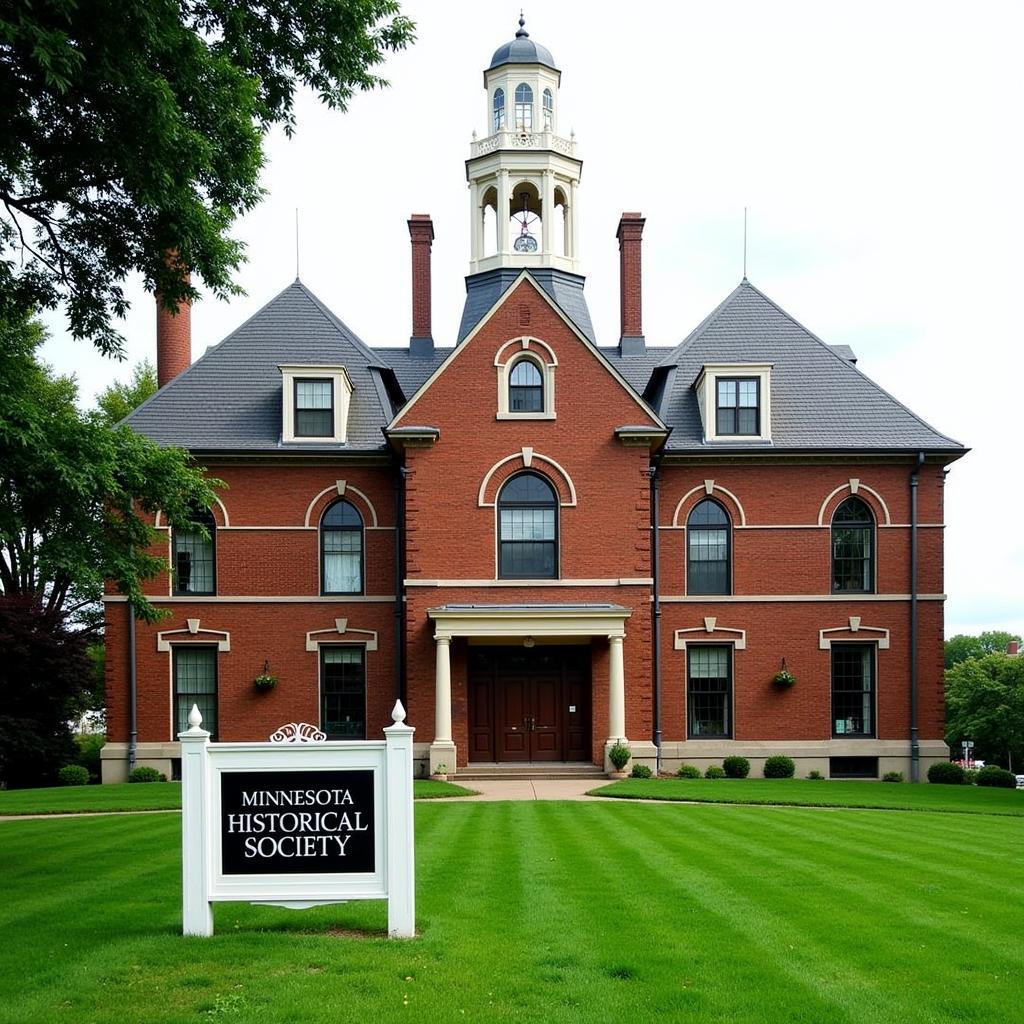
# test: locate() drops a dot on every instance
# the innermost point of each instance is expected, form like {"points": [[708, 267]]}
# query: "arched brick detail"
{"points": [[516, 463], [218, 509], [729, 501], [872, 498], [534, 346], [340, 489]]}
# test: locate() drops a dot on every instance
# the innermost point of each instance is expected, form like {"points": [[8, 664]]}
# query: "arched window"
{"points": [[527, 528], [549, 110], [524, 107], [194, 562], [499, 109], [341, 549], [708, 550], [525, 387], [853, 543]]}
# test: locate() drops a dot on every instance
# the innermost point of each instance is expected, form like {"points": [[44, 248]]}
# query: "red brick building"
{"points": [[543, 545]]}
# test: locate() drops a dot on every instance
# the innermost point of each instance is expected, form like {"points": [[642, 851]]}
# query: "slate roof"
{"points": [[484, 290], [819, 399], [522, 50], [230, 398]]}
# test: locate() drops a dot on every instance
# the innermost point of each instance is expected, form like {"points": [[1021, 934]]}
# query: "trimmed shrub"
{"points": [[714, 771], [89, 747], [688, 771], [971, 776], [892, 777], [815, 775], [993, 775], [736, 767], [144, 773], [619, 756], [778, 766], [641, 771], [946, 773], [73, 775]]}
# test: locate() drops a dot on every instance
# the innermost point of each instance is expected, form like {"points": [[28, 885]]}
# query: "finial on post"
{"points": [[398, 713], [195, 719], [522, 33]]}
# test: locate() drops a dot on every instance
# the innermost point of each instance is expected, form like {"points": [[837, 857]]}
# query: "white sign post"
{"points": [[297, 824]]}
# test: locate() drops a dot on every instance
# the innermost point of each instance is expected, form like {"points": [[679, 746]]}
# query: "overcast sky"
{"points": [[877, 145]]}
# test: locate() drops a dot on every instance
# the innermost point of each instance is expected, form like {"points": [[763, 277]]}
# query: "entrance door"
{"points": [[529, 704]]}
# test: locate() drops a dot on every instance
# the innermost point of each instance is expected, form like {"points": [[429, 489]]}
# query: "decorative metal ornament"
{"points": [[525, 242], [298, 732]]}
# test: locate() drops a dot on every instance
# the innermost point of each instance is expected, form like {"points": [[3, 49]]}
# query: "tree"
{"points": [[962, 646], [74, 493], [119, 399], [134, 130], [985, 703]]}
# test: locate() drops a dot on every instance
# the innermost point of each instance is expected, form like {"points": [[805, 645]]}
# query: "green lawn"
{"points": [[151, 796], [804, 793], [546, 912]]}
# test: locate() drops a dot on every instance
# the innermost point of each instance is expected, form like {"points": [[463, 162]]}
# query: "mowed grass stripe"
{"points": [[851, 952], [865, 872]]}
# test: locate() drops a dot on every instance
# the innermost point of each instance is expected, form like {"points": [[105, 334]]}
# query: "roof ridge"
{"points": [[850, 366], [672, 358], [335, 321]]}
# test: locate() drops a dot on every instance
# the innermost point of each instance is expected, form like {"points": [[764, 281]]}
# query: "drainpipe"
{"points": [[399, 586], [656, 605], [133, 702], [915, 749]]}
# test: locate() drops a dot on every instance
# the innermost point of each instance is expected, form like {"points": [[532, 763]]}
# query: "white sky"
{"points": [[878, 146]]}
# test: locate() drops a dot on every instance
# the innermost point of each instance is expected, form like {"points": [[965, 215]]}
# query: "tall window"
{"points": [[853, 539], [549, 110], [194, 561], [343, 692], [525, 388], [528, 528], [709, 691], [314, 408], [524, 107], [853, 689], [707, 546], [499, 109], [341, 549], [738, 406], [195, 682]]}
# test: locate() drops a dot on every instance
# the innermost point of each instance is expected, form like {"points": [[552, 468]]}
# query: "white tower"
{"points": [[523, 176]]}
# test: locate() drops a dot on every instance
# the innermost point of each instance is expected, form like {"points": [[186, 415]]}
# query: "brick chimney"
{"points": [[173, 340], [631, 334], [421, 234]]}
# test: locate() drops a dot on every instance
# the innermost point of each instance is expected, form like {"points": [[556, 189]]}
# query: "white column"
{"points": [[572, 249], [475, 249], [616, 691], [401, 849], [443, 691], [547, 211], [502, 214], [196, 913]]}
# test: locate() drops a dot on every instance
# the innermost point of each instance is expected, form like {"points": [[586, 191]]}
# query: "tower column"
{"points": [[547, 212], [504, 199], [572, 229]]}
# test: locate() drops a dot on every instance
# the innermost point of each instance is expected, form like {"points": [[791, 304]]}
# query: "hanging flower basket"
{"points": [[264, 682], [784, 679]]}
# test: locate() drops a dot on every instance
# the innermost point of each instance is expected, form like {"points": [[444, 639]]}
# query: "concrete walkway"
{"points": [[526, 789]]}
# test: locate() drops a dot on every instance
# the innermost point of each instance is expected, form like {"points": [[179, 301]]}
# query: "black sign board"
{"points": [[302, 822]]}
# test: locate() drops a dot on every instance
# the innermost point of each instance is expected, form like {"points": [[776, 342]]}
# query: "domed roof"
{"points": [[523, 50]]}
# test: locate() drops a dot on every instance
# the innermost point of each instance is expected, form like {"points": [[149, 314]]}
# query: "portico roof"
{"points": [[536, 620]]}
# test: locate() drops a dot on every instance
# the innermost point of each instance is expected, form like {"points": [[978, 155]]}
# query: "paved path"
{"points": [[527, 789]]}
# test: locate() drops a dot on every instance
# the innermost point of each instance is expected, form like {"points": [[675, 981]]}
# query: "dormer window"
{"points": [[524, 108], [314, 404], [314, 408], [499, 109], [735, 402], [738, 407]]}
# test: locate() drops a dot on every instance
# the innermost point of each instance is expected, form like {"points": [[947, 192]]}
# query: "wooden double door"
{"points": [[529, 704]]}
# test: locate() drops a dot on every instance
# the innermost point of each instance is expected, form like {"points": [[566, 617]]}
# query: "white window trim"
{"points": [[707, 398], [544, 359], [341, 394]]}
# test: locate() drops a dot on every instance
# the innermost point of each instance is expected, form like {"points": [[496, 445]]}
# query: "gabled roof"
{"points": [[230, 399], [819, 399]]}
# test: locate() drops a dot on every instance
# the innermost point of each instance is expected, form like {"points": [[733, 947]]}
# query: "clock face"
{"points": [[525, 243]]}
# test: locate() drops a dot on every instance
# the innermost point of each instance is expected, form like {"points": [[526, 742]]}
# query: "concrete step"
{"points": [[531, 770]]}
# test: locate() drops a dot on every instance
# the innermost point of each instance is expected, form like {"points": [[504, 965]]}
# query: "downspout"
{"points": [[915, 749], [656, 605], [133, 701], [400, 686]]}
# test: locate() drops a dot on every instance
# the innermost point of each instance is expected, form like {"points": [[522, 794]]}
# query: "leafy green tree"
{"points": [[74, 493], [985, 703], [963, 646], [121, 398], [135, 129]]}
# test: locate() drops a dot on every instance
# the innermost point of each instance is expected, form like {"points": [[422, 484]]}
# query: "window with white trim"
{"points": [[194, 667], [343, 692], [709, 691], [853, 690], [314, 404]]}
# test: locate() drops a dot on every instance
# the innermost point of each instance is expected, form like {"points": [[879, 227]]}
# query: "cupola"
{"points": [[523, 176]]}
